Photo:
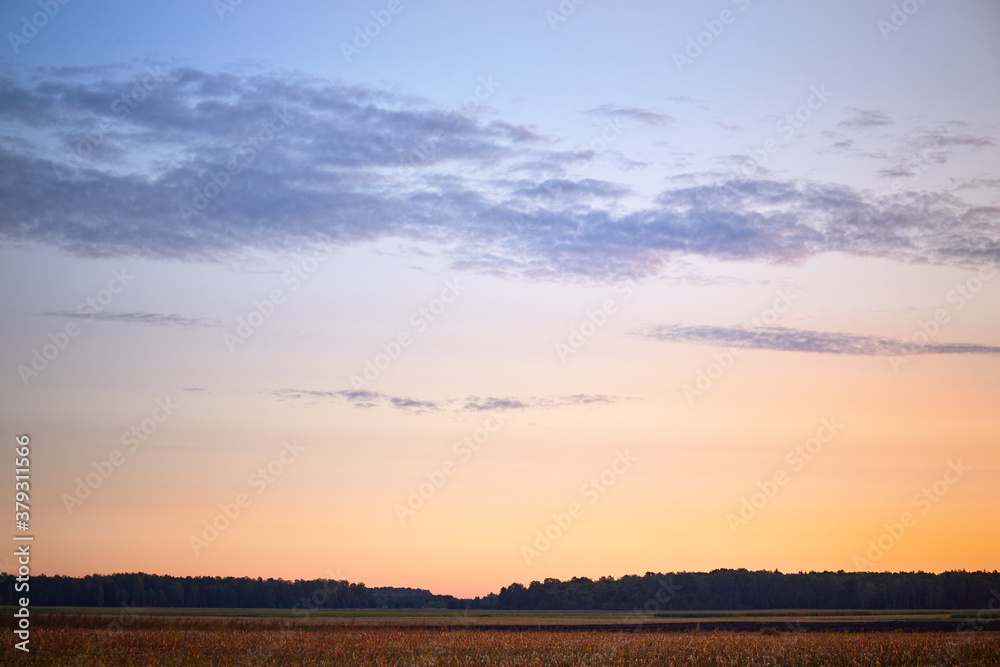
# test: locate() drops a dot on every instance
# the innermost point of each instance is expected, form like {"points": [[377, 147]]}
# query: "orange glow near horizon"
{"points": [[335, 509]]}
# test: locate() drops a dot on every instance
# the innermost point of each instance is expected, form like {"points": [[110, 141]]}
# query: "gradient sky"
{"points": [[717, 278]]}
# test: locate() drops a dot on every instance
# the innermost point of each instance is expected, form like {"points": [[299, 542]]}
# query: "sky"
{"points": [[452, 295]]}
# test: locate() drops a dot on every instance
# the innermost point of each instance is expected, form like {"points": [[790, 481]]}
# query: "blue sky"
{"points": [[644, 179], [554, 91]]}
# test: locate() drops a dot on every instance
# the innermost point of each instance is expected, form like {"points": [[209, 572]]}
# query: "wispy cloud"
{"points": [[925, 147], [359, 398], [404, 403], [897, 172], [362, 398], [484, 404], [976, 183], [951, 136], [865, 118], [801, 340], [644, 116], [155, 319]]}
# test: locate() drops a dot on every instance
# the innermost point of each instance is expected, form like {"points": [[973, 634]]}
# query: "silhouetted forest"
{"points": [[152, 590], [742, 589], [716, 590]]}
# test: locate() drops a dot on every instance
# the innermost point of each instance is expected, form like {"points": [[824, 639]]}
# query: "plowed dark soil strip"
{"points": [[738, 626]]}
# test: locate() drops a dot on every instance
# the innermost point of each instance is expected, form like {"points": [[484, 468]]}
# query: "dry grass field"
{"points": [[78, 639]]}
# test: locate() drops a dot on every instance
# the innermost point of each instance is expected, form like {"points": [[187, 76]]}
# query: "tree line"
{"points": [[743, 589], [153, 590], [680, 591]]}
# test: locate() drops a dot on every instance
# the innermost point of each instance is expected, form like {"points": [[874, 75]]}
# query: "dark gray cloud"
{"points": [[156, 319], [800, 340], [323, 163]]}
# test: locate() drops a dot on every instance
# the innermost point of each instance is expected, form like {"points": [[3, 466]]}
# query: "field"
{"points": [[249, 637]]}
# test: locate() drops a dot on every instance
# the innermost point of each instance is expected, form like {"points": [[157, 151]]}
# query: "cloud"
{"points": [[362, 398], [800, 340], [976, 183], [643, 116], [949, 138], [896, 172], [926, 147], [485, 404], [412, 404], [576, 190], [155, 319], [477, 404], [214, 166], [865, 118]]}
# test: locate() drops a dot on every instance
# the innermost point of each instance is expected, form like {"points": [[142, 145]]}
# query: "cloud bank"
{"points": [[207, 166]]}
